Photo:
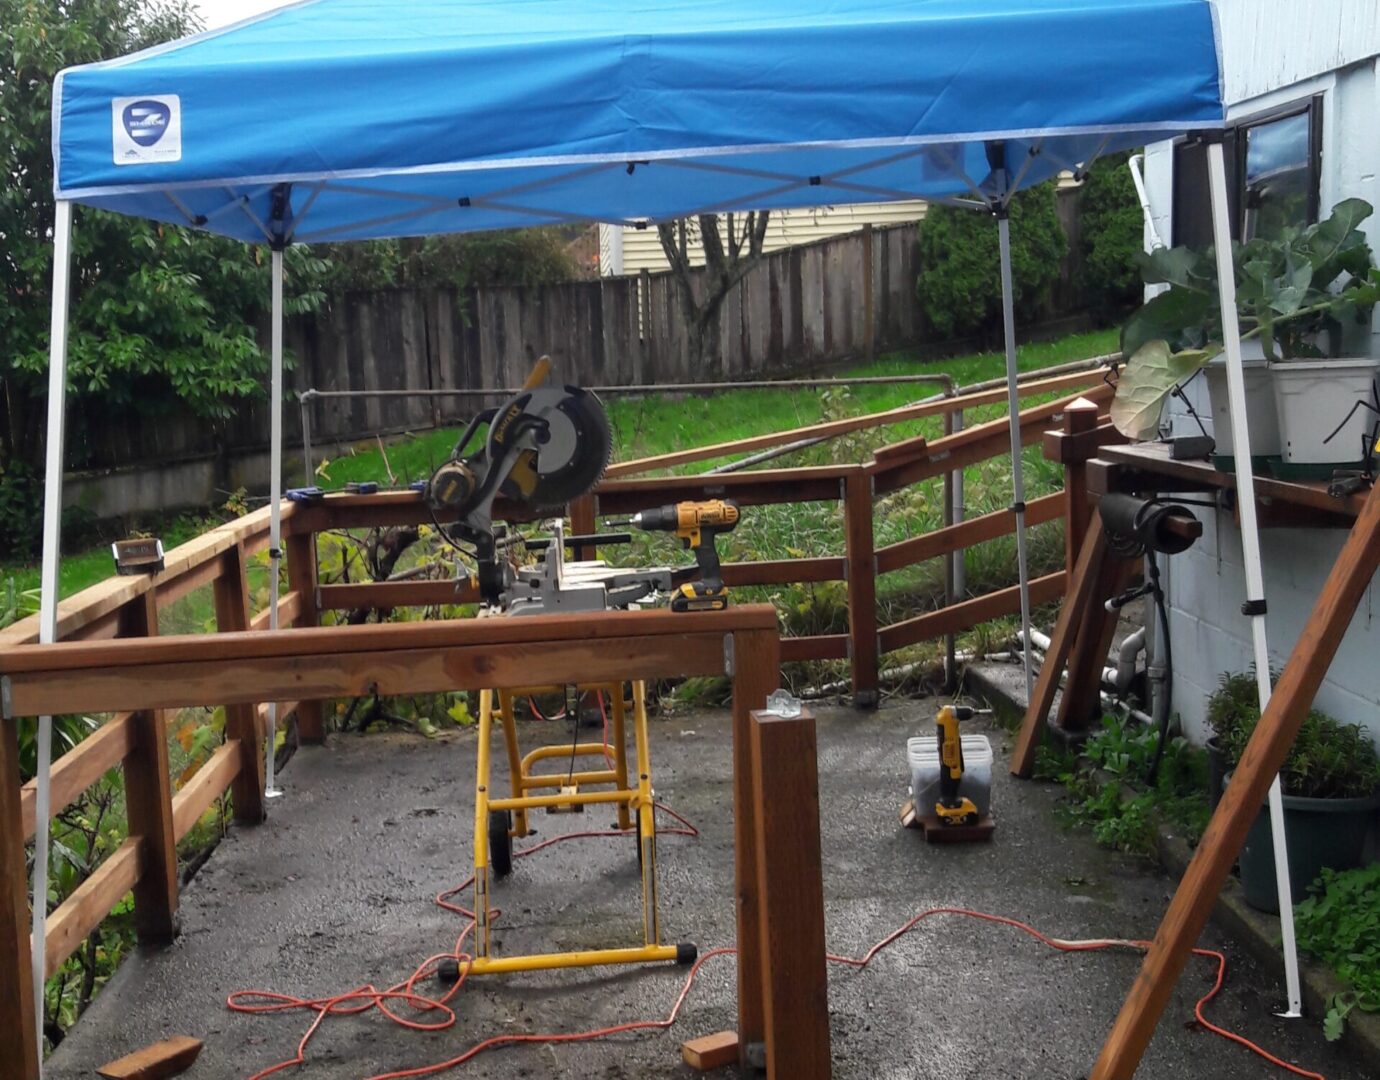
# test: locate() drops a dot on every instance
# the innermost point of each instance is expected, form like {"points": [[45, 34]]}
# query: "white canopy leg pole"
{"points": [[1008, 311], [1250, 544], [52, 553], [275, 495]]}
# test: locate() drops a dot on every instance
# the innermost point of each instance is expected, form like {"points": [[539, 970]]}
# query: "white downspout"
{"points": [[1250, 543]]}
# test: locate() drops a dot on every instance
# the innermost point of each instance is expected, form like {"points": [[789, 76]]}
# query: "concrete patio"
{"points": [[337, 889]]}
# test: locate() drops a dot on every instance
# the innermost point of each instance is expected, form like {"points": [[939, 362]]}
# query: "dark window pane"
{"points": [[1192, 221], [1279, 179]]}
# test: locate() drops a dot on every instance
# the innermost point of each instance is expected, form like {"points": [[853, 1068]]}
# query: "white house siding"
{"points": [[629, 250], [1275, 53]]}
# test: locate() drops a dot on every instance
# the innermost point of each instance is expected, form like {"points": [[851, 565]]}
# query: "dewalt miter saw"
{"points": [[545, 446]]}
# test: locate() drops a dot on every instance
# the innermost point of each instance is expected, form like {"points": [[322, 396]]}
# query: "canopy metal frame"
{"points": [[284, 227]]}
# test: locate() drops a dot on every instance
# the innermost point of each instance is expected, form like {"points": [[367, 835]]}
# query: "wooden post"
{"points": [[1240, 806], [582, 522], [862, 587], [148, 798], [869, 295], [1079, 416], [1092, 556], [1093, 631], [790, 889], [17, 1047], [301, 566], [241, 721], [756, 670]]}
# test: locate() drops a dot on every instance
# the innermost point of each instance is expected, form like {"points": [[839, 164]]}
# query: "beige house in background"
{"points": [[627, 249]]}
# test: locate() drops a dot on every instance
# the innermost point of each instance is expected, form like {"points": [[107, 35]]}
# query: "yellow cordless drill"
{"points": [[697, 524], [953, 808]]}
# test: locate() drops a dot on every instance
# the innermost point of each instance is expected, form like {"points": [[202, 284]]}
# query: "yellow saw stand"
{"points": [[498, 820]]}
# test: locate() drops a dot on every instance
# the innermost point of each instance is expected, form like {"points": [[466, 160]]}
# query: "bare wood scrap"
{"points": [[163, 1059]]}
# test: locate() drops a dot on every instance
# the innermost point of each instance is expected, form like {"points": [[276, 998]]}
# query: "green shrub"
{"points": [[1339, 924], [960, 282], [1328, 759], [1111, 235], [21, 509]]}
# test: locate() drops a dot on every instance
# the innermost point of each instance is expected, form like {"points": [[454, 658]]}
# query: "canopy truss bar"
{"points": [[301, 214], [369, 223], [1015, 185], [242, 201], [181, 207]]}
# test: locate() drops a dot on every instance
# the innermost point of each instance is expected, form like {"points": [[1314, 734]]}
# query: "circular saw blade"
{"points": [[577, 450]]}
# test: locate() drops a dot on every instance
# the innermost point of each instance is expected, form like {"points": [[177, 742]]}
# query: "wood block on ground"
{"points": [[936, 832], [711, 1051], [163, 1059], [909, 818]]}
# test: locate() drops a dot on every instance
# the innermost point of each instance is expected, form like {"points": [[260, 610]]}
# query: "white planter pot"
{"points": [[1261, 416], [1313, 398]]}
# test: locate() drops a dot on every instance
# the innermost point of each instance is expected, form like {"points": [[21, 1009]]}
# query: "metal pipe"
{"points": [[1134, 163], [1013, 406], [275, 494], [1250, 543], [762, 384], [48, 597], [950, 584]]}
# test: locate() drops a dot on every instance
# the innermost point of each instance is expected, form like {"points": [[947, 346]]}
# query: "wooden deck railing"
{"points": [[128, 607]]}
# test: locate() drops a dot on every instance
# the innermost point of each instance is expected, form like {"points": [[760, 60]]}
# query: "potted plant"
{"points": [[1331, 783], [1293, 294]]}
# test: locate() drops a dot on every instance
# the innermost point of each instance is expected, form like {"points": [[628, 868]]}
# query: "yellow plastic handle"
{"points": [[540, 370]]}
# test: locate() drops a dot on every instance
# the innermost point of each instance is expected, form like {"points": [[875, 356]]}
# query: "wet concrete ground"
{"points": [[336, 891]]}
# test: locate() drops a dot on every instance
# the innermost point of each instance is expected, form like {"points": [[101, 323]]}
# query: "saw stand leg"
{"points": [[575, 790]]}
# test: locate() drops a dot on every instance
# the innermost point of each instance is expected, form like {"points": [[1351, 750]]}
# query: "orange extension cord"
{"points": [[364, 998]]}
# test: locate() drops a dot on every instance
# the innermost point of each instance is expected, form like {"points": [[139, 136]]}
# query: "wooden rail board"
{"points": [[395, 594], [289, 605], [79, 768], [91, 902], [965, 534], [325, 674], [328, 640], [964, 616], [817, 647], [160, 1061], [977, 443], [831, 428], [207, 784], [1260, 762], [1152, 460]]}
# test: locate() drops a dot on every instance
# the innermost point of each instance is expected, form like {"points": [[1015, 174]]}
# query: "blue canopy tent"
{"points": [[333, 120]]}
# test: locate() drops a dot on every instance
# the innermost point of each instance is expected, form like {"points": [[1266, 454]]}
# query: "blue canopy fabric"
{"points": [[351, 119]]}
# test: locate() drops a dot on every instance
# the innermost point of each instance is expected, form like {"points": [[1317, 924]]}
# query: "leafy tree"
{"points": [[158, 314], [960, 281], [514, 257], [732, 247], [1111, 236]]}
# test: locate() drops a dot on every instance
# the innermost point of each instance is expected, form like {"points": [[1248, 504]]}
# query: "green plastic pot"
{"points": [[1320, 834]]}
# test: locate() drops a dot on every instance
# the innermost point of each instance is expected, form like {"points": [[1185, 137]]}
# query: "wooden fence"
{"points": [[144, 676]]}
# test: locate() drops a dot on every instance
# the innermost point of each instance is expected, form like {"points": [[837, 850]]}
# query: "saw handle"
{"points": [[540, 370]]}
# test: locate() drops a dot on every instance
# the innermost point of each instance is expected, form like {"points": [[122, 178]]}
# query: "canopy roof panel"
{"points": [[371, 119]]}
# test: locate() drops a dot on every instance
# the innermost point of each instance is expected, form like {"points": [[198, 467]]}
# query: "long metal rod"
{"points": [[275, 513], [1013, 403], [48, 601], [710, 387], [1250, 546]]}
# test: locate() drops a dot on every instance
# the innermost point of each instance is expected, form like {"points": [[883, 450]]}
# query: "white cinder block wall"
{"points": [[1274, 54]]}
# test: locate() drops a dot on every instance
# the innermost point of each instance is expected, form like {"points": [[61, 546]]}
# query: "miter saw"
{"points": [[544, 446]]}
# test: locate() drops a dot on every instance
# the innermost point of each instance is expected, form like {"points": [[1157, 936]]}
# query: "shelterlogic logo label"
{"points": [[147, 129]]}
